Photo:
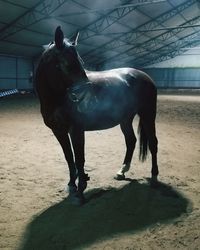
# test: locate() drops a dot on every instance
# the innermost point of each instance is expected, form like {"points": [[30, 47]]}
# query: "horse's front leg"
{"points": [[63, 138], [78, 141]]}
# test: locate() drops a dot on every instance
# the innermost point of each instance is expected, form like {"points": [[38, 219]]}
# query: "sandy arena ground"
{"points": [[35, 213]]}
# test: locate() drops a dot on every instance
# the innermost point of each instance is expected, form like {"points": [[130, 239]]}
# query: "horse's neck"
{"points": [[79, 78]]}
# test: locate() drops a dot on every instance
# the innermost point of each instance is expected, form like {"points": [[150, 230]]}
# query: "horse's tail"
{"points": [[143, 142]]}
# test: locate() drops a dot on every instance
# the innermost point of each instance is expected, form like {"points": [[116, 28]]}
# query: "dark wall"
{"points": [[175, 77], [15, 72]]}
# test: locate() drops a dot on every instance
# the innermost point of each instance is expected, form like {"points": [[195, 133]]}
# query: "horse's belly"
{"points": [[102, 120], [100, 123], [105, 110]]}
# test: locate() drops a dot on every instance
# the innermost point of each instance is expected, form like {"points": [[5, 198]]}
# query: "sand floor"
{"points": [[35, 213]]}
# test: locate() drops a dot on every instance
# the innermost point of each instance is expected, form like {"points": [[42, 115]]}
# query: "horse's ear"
{"points": [[59, 37], [74, 39]]}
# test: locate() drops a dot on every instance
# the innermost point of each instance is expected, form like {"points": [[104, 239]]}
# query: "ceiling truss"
{"points": [[130, 37], [149, 42]]}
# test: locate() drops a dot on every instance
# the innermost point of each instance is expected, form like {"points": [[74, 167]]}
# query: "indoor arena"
{"points": [[82, 84]]}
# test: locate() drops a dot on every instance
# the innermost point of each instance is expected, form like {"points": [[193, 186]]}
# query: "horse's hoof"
{"points": [[119, 177], [71, 189], [77, 199], [154, 182]]}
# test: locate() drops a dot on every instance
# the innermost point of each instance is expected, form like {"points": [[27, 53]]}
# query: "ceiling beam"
{"points": [[154, 44], [104, 12], [176, 49], [134, 34], [40, 11], [105, 21], [110, 17], [173, 49]]}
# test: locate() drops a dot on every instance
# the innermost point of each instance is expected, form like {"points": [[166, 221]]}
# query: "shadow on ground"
{"points": [[107, 212]]}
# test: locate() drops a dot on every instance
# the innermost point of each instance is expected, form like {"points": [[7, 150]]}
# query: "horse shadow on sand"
{"points": [[106, 213]]}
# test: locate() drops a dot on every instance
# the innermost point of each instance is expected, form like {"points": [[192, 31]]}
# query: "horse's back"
{"points": [[130, 75], [120, 93], [133, 83]]}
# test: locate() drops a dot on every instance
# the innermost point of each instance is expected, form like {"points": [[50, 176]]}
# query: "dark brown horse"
{"points": [[74, 100]]}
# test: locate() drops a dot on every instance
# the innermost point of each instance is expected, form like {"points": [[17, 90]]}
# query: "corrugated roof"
{"points": [[112, 33]]}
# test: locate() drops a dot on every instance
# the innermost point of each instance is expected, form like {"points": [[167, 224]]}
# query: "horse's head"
{"points": [[61, 63]]}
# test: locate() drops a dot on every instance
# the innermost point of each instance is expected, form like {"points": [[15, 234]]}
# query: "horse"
{"points": [[74, 100]]}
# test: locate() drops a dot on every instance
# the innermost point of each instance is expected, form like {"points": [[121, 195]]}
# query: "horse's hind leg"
{"points": [[153, 147], [149, 127], [130, 139]]}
